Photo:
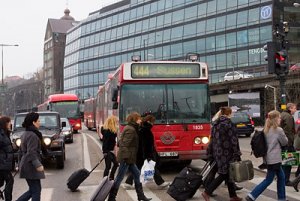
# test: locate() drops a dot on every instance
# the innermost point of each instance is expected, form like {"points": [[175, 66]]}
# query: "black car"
{"points": [[243, 122], [50, 127]]}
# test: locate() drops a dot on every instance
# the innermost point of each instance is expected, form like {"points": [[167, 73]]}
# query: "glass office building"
{"points": [[227, 34]]}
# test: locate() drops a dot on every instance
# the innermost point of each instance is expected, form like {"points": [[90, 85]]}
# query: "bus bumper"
{"points": [[184, 155]]}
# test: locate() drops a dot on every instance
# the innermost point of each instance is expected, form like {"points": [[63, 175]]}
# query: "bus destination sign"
{"points": [[165, 70]]}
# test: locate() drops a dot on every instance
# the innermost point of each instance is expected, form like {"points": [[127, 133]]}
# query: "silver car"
{"points": [[67, 131], [236, 75]]}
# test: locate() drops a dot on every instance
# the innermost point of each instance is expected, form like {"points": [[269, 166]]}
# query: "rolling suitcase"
{"points": [[79, 176], [188, 181], [241, 171], [102, 190]]}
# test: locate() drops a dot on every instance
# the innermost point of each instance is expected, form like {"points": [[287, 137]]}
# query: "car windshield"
{"points": [[239, 117], [68, 126], [46, 120]]}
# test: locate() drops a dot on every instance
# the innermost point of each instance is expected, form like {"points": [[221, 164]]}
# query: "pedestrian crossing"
{"points": [[153, 192]]}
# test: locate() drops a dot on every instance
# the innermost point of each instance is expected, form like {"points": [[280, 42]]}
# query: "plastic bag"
{"points": [[147, 171]]}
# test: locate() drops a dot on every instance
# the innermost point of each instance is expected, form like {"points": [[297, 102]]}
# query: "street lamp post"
{"points": [[274, 88], [4, 45]]}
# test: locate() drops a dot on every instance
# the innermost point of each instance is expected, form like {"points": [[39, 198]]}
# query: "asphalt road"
{"points": [[85, 152]]}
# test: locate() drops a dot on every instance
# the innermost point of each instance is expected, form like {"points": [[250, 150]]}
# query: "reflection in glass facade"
{"points": [[227, 34]]}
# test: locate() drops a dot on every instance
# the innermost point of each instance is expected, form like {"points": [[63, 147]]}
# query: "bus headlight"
{"points": [[197, 140], [18, 142], [77, 125], [205, 140], [47, 141]]}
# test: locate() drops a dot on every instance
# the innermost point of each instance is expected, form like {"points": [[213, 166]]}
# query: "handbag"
{"points": [[240, 171], [147, 171]]}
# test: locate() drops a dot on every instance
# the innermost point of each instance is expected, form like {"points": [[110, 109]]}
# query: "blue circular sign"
{"points": [[266, 12]]}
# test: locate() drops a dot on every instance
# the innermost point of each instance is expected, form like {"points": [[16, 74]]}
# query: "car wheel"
{"points": [[60, 164]]}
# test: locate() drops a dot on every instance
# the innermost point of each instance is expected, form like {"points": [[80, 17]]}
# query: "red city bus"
{"points": [[67, 106], [176, 93], [89, 113]]}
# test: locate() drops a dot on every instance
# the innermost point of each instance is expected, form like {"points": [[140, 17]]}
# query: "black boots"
{"points": [[140, 193], [295, 183], [113, 194]]}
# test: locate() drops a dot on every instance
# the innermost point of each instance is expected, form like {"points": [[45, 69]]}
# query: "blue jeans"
{"points": [[34, 191], [122, 172], [273, 170]]}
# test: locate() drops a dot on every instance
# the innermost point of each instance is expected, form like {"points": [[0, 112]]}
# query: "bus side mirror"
{"points": [[63, 124], [114, 93], [115, 105]]}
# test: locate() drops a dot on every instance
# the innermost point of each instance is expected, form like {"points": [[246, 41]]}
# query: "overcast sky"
{"points": [[23, 22]]}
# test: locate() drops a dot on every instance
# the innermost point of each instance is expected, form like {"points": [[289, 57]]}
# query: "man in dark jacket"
{"points": [[288, 126], [6, 157]]}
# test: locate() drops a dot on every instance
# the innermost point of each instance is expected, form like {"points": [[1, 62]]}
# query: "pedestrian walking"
{"points": [[6, 157], [148, 152], [224, 149], [288, 126], [275, 139], [109, 131], [128, 147], [31, 167]]}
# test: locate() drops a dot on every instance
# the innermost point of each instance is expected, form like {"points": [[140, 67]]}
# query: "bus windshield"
{"points": [[68, 109], [169, 103]]}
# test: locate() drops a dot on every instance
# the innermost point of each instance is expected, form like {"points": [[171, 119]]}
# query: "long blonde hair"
{"points": [[111, 123], [271, 120]]}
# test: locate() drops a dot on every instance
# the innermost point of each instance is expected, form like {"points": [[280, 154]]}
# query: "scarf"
{"points": [[33, 129]]}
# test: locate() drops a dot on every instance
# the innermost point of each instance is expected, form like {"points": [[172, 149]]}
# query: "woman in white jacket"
{"points": [[275, 139]]}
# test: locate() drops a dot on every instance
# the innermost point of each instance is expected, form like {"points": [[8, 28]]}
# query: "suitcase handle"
{"points": [[96, 165]]}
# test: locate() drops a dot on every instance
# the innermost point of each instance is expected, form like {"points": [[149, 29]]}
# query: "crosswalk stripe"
{"points": [[147, 191]]}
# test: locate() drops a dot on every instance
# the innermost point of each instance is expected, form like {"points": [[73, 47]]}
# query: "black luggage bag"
{"points": [[79, 176], [188, 181], [102, 190]]}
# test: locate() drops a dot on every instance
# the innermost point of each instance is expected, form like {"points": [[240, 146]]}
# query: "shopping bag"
{"points": [[147, 171], [297, 142], [290, 158]]}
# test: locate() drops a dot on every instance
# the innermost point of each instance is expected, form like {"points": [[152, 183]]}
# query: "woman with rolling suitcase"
{"points": [[128, 146], [223, 148]]}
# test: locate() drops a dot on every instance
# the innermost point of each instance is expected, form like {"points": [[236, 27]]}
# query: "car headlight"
{"points": [[205, 140], [47, 141], [197, 140], [66, 132], [18, 142]]}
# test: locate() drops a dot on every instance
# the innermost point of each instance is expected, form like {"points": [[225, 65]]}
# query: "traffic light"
{"points": [[282, 63], [277, 58], [271, 49]]}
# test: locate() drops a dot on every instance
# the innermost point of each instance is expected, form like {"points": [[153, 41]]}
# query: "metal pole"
{"points": [[275, 101], [282, 89], [2, 67], [144, 49]]}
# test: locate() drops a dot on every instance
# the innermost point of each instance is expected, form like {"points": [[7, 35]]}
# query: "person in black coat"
{"points": [[147, 151], [109, 131], [6, 157], [31, 167]]}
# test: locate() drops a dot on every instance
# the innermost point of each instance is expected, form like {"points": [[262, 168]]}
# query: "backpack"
{"points": [[258, 144]]}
